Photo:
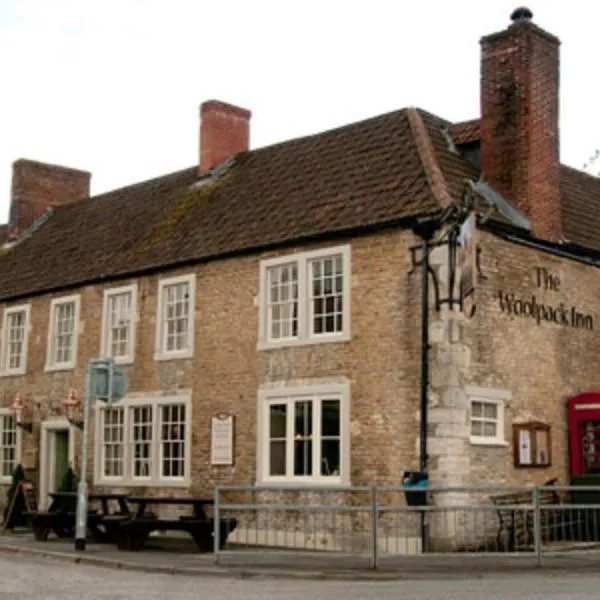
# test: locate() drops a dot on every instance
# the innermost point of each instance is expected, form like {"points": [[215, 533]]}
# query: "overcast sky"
{"points": [[113, 86]]}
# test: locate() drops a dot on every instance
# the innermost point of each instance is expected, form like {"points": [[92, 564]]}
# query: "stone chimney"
{"points": [[224, 132], [519, 121], [38, 186]]}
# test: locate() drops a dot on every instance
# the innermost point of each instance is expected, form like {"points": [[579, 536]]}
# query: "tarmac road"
{"points": [[27, 578]]}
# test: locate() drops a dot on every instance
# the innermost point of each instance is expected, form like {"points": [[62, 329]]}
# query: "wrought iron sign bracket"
{"points": [[419, 255]]}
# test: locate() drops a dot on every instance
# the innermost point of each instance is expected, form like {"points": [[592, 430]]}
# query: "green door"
{"points": [[61, 457]]}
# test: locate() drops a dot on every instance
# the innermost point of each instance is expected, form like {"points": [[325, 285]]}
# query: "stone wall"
{"points": [[380, 362]]}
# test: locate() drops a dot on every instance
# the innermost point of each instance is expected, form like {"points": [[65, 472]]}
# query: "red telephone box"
{"points": [[584, 436]]}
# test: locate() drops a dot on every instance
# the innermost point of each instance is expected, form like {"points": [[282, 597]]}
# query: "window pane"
{"points": [[277, 458], [303, 457], [14, 340], [330, 418], [62, 334], [141, 440], [8, 445], [490, 411], [326, 295], [282, 309], [303, 419], [330, 458], [277, 419], [489, 429], [112, 442], [176, 315], [119, 324], [476, 428], [303, 438], [477, 409], [172, 440]]}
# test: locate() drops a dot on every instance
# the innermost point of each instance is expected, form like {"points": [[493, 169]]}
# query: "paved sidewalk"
{"points": [[178, 556]]}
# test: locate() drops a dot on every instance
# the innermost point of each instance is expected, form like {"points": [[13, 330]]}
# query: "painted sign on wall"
{"points": [[542, 311]]}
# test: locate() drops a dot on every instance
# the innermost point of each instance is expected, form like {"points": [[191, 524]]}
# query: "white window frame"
{"points": [[283, 395], [4, 341], [5, 412], [497, 397], [160, 351], [67, 366], [305, 335], [155, 478], [105, 345]]}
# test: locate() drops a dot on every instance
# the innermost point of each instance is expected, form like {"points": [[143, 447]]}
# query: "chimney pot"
{"points": [[521, 14]]}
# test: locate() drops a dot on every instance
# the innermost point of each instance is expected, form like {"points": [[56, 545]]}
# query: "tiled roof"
{"points": [[377, 172], [465, 132], [365, 174], [580, 195]]}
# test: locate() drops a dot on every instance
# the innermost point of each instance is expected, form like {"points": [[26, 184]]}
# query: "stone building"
{"points": [[277, 286]]}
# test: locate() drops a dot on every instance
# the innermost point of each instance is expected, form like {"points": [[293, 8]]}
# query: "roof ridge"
{"points": [[474, 121], [580, 172], [131, 186], [428, 158]]}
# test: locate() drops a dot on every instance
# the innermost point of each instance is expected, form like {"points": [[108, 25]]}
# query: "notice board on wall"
{"points": [[222, 440]]}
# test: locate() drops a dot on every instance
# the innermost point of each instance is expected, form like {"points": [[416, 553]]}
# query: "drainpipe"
{"points": [[423, 462], [424, 355]]}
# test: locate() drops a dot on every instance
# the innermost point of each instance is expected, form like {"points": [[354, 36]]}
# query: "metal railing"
{"points": [[372, 526]]}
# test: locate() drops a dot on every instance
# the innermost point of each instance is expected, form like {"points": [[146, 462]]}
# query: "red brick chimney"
{"points": [[519, 120], [37, 186], [224, 132]]}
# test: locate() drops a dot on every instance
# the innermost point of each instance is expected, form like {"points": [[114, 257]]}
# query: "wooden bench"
{"points": [[132, 533], [516, 516], [62, 523], [43, 522]]}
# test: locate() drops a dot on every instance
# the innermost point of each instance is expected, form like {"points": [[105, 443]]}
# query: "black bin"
{"points": [[415, 487]]}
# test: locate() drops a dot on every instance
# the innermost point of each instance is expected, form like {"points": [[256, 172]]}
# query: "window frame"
{"points": [[51, 365], [5, 371], [105, 334], [155, 478], [289, 395], [160, 352], [6, 412], [499, 398], [305, 335]]}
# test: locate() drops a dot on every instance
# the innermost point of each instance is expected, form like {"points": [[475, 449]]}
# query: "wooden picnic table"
{"points": [[132, 532], [61, 515]]}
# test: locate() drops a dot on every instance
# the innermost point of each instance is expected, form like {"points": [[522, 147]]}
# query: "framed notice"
{"points": [[222, 439], [524, 447]]}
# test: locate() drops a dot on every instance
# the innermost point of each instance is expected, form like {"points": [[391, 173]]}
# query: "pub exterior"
{"points": [[270, 311]]}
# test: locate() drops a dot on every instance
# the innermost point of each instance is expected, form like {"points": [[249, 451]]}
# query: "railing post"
{"points": [[374, 538], [217, 526], [537, 528]]}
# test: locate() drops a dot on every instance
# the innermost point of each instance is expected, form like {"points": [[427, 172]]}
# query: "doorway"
{"points": [[57, 455]]}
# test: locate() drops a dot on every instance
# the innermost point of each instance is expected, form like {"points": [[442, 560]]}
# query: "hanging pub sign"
{"points": [[467, 262]]}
